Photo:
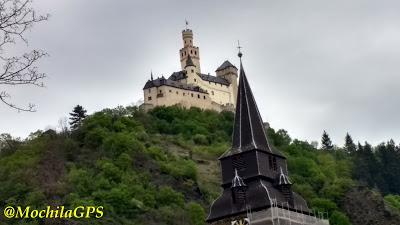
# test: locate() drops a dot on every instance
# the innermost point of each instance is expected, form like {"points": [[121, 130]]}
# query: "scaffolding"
{"points": [[283, 215]]}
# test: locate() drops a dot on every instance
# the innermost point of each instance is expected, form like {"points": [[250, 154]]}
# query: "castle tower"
{"points": [[189, 50], [191, 70], [255, 181], [229, 72]]}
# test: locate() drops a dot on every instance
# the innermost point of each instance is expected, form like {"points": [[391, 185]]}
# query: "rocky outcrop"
{"points": [[366, 207]]}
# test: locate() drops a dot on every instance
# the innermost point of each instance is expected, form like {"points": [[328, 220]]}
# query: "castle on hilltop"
{"points": [[189, 87]]}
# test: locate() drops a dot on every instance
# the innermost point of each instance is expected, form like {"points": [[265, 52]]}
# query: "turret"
{"points": [[229, 72], [191, 71], [189, 50]]}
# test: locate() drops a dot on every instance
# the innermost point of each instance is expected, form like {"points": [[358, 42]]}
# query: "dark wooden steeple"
{"points": [[254, 174]]}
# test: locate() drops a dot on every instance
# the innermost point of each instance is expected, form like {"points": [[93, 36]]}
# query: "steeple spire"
{"points": [[249, 132], [151, 74]]}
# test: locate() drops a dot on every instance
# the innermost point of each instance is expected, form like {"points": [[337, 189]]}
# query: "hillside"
{"points": [[161, 168]]}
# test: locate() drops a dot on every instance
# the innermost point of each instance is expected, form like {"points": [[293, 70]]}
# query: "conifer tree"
{"points": [[326, 142], [77, 115], [349, 145]]}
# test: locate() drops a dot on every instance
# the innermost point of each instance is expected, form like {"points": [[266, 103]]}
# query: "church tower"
{"points": [[256, 186], [189, 50]]}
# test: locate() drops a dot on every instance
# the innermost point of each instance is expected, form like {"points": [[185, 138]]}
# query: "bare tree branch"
{"points": [[17, 17]]}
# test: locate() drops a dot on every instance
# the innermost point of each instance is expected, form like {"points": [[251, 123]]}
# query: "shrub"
{"points": [[200, 139]]}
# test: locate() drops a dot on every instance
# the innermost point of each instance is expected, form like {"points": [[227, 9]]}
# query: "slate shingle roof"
{"points": [[225, 65], [167, 82]]}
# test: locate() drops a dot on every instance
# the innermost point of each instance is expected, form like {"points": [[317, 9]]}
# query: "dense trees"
{"points": [[379, 167], [160, 167]]}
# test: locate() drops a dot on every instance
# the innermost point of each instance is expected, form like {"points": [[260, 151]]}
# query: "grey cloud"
{"points": [[313, 65]]}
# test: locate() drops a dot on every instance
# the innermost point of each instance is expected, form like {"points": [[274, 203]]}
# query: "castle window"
{"points": [[191, 52], [182, 54], [170, 90], [195, 80], [184, 93], [195, 52], [149, 98], [193, 72], [192, 94], [160, 91], [177, 92], [212, 92], [198, 96], [204, 97]]}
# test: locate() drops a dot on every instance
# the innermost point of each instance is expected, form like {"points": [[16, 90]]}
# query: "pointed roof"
{"points": [[189, 62], [248, 131], [225, 65]]}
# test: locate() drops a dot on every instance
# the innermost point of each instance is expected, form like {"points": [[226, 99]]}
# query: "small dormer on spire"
{"points": [[283, 178], [237, 181]]}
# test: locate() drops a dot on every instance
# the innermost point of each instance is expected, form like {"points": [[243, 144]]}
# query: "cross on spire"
{"points": [[240, 54]]}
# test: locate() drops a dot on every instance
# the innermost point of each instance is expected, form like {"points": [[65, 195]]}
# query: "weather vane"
{"points": [[186, 23]]}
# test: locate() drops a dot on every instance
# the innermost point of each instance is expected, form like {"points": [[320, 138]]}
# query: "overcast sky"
{"points": [[312, 65]]}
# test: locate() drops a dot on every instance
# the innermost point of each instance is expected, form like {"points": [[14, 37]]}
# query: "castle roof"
{"points": [[225, 65], [210, 78], [167, 82], [176, 76], [189, 62]]}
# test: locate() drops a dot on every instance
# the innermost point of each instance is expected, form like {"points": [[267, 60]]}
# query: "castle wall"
{"points": [[219, 93], [168, 96]]}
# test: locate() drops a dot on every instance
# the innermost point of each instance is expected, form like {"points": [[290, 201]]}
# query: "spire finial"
{"points": [[240, 54], [151, 74], [186, 24]]}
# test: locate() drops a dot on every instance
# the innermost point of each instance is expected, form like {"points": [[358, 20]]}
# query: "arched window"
{"points": [[191, 51], [204, 97], [198, 96]]}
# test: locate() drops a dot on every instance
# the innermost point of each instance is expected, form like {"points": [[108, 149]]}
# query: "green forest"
{"points": [[161, 167]]}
